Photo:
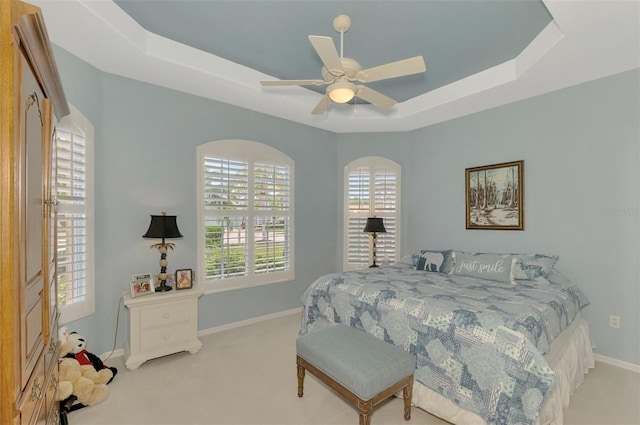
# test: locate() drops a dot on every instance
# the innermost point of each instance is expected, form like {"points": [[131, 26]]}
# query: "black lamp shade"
{"points": [[163, 227], [375, 225]]}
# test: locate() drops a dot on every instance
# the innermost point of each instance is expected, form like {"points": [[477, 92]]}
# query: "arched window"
{"points": [[245, 215], [74, 224], [371, 188]]}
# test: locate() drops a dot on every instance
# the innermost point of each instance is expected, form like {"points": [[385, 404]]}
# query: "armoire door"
{"points": [[31, 232]]}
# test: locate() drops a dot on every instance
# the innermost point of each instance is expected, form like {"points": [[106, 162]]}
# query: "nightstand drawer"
{"points": [[165, 315], [161, 324], [165, 337]]}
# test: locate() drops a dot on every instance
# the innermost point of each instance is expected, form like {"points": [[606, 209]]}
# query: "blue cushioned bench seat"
{"points": [[359, 366]]}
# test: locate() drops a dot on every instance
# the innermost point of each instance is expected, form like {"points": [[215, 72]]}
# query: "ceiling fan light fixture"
{"points": [[341, 91]]}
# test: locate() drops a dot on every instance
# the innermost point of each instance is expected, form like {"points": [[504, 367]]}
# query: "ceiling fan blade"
{"points": [[293, 83], [414, 65], [328, 54], [375, 98], [322, 106]]}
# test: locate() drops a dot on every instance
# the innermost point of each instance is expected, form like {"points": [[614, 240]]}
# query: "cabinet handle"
{"points": [[36, 390]]}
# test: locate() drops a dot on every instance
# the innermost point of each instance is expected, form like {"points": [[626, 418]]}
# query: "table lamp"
{"points": [[163, 227], [374, 225]]}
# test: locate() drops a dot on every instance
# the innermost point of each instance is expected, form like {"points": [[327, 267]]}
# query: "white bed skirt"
{"points": [[570, 356]]}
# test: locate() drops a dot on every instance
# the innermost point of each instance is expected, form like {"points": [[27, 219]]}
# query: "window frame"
{"points": [[250, 151], [76, 122], [372, 163]]}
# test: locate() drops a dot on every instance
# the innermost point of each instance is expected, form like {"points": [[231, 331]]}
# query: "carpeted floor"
{"points": [[247, 376]]}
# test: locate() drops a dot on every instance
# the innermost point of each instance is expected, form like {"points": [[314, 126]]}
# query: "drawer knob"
{"points": [[166, 337], [167, 315]]}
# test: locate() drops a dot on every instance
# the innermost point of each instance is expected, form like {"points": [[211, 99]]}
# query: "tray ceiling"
{"points": [[479, 54]]}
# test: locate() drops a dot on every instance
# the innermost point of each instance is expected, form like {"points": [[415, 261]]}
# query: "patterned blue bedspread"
{"points": [[477, 342]]}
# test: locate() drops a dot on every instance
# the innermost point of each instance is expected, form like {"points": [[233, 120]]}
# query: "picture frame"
{"points": [[141, 284], [140, 276], [184, 279], [495, 196]]}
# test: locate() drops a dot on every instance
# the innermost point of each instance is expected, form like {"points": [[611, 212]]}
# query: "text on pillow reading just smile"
{"points": [[478, 267]]}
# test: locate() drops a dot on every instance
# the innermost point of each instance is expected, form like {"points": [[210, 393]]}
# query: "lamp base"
{"points": [[371, 266], [163, 287]]}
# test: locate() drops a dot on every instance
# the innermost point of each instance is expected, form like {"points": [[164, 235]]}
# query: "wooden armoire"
{"points": [[32, 102]]}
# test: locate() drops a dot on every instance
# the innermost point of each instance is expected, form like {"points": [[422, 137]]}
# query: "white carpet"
{"points": [[248, 376]]}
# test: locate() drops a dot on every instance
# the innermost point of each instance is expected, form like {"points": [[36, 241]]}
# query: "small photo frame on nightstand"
{"points": [[184, 279], [142, 284]]}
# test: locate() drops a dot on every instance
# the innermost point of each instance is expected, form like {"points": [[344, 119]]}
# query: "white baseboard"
{"points": [[221, 328], [234, 325], [116, 353], [619, 363]]}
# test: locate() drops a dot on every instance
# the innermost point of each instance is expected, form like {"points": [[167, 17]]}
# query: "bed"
{"points": [[498, 338]]}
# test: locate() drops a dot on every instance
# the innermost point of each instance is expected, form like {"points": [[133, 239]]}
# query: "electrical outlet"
{"points": [[614, 322]]}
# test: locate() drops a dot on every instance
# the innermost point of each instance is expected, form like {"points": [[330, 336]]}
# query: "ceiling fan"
{"points": [[340, 73]]}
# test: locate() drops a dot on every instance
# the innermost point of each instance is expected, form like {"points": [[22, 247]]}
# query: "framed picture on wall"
{"points": [[184, 279], [495, 196]]}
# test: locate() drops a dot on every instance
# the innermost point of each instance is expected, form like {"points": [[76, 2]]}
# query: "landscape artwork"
{"points": [[495, 196]]}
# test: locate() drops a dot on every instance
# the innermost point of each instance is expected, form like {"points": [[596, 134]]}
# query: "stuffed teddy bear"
{"points": [[92, 366], [73, 385]]}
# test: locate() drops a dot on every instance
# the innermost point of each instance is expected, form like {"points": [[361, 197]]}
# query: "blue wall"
{"points": [[582, 185], [580, 147], [145, 162]]}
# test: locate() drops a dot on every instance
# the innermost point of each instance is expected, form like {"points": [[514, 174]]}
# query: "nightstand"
{"points": [[160, 324]]}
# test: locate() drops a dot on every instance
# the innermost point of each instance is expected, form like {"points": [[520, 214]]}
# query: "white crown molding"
{"points": [[586, 40]]}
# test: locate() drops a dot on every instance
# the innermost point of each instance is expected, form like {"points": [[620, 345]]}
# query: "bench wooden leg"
{"points": [[365, 408], [300, 378], [407, 393]]}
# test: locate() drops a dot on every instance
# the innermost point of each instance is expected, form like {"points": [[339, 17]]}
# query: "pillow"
{"points": [[408, 260], [533, 266], [496, 267], [557, 278], [436, 261]]}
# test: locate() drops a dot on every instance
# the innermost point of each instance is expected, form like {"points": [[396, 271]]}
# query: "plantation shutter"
{"points": [[372, 189], [226, 199], [385, 206], [71, 225], [358, 207], [271, 200], [246, 214]]}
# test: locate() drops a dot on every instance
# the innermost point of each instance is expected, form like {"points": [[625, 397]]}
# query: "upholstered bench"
{"points": [[359, 366]]}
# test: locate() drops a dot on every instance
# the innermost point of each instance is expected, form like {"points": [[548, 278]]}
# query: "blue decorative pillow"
{"points": [[533, 266], [494, 267], [436, 261]]}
